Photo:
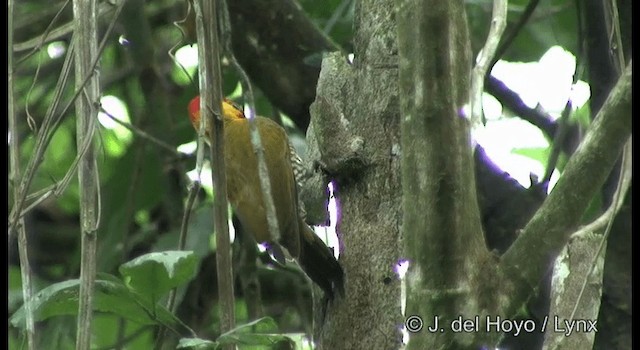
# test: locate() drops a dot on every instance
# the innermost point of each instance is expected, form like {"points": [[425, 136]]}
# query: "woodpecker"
{"points": [[285, 172]]}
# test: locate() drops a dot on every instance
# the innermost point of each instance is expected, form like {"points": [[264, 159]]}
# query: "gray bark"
{"points": [[449, 263], [355, 124], [572, 267]]}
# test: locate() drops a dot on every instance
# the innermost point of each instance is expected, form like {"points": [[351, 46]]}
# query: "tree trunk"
{"points": [[354, 138], [355, 122]]}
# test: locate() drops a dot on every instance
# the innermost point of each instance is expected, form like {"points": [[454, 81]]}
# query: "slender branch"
{"points": [[583, 176], [265, 184], [337, 14], [183, 26], [193, 192], [87, 144], [85, 15], [57, 33], [194, 186], [14, 174], [211, 103], [256, 143], [485, 58], [297, 39], [182, 241], [125, 239], [614, 29], [513, 33], [44, 137], [37, 43], [606, 220], [139, 132], [247, 269], [46, 193], [512, 101], [23, 24], [59, 187], [562, 132], [558, 140], [52, 121]]}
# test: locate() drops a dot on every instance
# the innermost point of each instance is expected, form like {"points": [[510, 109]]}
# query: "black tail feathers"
{"points": [[319, 263]]}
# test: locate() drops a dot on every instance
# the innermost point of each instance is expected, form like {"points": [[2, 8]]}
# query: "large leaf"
{"points": [[154, 274], [259, 332], [110, 296], [196, 344]]}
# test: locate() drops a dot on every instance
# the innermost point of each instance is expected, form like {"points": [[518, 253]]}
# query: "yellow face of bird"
{"points": [[229, 109]]}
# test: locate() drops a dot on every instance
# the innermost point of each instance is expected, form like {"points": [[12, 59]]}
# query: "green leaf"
{"points": [[109, 296], [154, 274], [582, 115], [563, 159], [258, 332], [198, 239], [593, 210], [15, 288], [108, 330], [540, 154], [61, 142], [196, 344]]}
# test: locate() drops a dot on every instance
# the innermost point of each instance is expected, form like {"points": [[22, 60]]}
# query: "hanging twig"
{"points": [[250, 112], [14, 174], [183, 39], [139, 132], [512, 34], [38, 42], [57, 33], [59, 187], [182, 240], [483, 62], [42, 141], [194, 187], [613, 20], [53, 120]]}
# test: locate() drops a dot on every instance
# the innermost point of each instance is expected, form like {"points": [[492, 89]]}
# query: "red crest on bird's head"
{"points": [[229, 109], [194, 112]]}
